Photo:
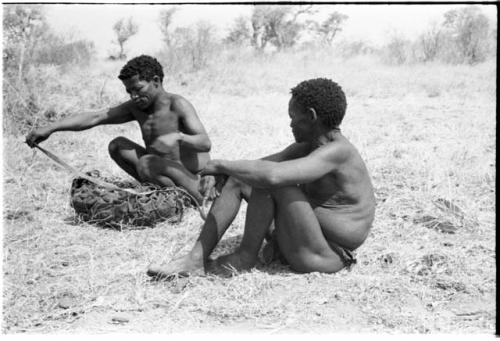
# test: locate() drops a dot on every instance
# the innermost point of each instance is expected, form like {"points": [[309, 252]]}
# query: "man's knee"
{"points": [[116, 145], [238, 186]]}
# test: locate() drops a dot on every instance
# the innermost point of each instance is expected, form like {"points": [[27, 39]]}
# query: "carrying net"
{"points": [[121, 209]]}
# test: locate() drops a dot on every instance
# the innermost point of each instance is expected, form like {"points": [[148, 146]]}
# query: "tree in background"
{"points": [[24, 27], [28, 44], [166, 19], [277, 25], [329, 28], [124, 29], [191, 46], [240, 32], [468, 28], [397, 49], [430, 42]]}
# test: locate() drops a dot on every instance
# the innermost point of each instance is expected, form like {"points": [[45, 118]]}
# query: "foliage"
{"points": [[166, 19], [124, 30], [58, 51], [397, 50], [329, 28], [191, 47], [277, 25], [430, 42], [240, 33], [24, 27], [29, 43], [468, 28]]}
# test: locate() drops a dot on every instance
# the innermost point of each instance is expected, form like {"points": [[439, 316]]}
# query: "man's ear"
{"points": [[312, 114], [156, 79]]}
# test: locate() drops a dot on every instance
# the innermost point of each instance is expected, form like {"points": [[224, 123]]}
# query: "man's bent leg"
{"points": [[167, 173], [299, 234], [260, 214], [126, 154], [221, 215]]}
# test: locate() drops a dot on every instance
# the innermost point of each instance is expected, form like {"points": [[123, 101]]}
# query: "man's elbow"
{"points": [[273, 179], [206, 145]]}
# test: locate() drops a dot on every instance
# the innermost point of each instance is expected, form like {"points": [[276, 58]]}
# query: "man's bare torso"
{"points": [[346, 192], [161, 119]]}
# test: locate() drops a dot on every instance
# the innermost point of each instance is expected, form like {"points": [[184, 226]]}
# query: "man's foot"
{"points": [[180, 267], [234, 262]]}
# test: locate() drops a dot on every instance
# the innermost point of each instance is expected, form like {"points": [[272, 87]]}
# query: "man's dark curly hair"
{"points": [[145, 66], [325, 97]]}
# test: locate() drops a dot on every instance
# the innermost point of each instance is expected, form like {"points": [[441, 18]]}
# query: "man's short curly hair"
{"points": [[325, 97], [145, 66]]}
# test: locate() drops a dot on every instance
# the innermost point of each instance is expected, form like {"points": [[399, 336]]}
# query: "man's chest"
{"points": [[158, 123]]}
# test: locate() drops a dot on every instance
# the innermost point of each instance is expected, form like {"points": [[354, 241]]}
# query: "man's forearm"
{"points": [[256, 173], [74, 123], [199, 142]]}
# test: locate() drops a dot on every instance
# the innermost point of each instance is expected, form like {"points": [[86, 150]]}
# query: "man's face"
{"points": [[301, 123], [141, 92]]}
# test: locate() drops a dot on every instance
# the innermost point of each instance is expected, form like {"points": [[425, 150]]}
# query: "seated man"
{"points": [[176, 143], [317, 191]]}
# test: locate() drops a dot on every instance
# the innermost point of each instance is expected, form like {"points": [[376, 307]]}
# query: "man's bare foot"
{"points": [[234, 262], [180, 267]]}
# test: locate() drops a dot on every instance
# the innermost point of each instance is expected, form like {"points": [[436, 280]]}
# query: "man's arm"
{"points": [[268, 174], [82, 121], [291, 152], [194, 135]]}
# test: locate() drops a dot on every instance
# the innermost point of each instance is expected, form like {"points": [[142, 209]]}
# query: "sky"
{"points": [[371, 23]]}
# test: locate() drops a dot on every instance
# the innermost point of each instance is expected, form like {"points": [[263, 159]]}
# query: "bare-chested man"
{"points": [[317, 191], [176, 142]]}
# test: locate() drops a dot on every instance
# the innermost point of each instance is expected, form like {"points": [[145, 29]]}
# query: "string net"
{"points": [[120, 209]]}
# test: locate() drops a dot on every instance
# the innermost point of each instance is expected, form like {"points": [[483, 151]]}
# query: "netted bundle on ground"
{"points": [[121, 209]]}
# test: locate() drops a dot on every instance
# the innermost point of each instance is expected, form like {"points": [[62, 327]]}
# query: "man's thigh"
{"points": [[154, 165], [300, 237], [339, 227]]}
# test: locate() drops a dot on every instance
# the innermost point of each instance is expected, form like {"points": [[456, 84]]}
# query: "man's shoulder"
{"points": [[338, 146], [180, 104]]}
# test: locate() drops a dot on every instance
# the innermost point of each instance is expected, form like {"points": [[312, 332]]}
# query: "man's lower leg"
{"points": [[260, 214], [220, 217]]}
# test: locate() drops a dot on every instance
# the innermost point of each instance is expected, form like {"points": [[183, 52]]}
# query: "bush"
{"points": [[59, 52], [191, 48], [468, 31]]}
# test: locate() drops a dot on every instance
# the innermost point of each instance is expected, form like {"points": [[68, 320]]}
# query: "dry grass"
{"points": [[427, 133]]}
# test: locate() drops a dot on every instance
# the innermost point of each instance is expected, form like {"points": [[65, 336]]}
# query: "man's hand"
{"points": [[37, 136], [211, 168], [211, 186], [165, 143]]}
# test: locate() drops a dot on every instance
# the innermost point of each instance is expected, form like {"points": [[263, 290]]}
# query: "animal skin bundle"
{"points": [[117, 208]]}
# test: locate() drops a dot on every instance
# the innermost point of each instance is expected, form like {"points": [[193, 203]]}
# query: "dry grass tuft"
{"points": [[427, 134]]}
